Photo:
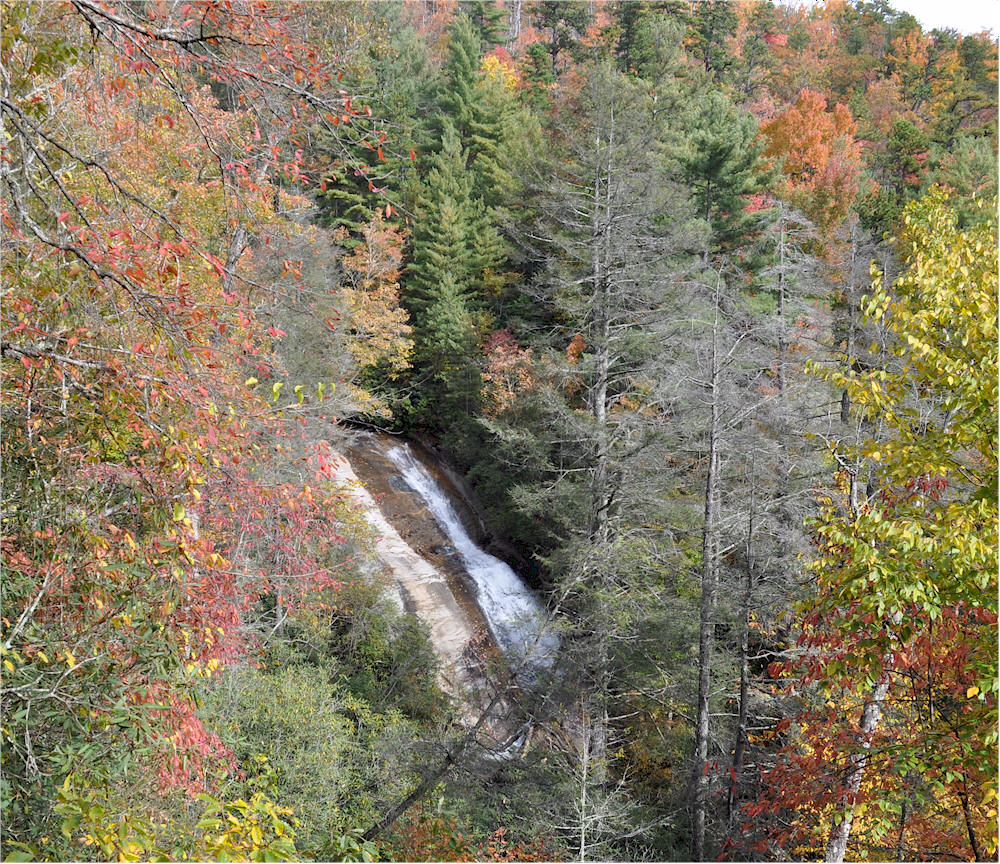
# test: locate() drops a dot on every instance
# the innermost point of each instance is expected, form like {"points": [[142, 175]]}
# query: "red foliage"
{"points": [[136, 313], [820, 159]]}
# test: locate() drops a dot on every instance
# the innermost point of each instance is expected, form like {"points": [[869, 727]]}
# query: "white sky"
{"points": [[966, 16]]}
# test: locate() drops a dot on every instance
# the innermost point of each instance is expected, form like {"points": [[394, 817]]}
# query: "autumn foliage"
{"points": [[144, 517], [820, 159]]}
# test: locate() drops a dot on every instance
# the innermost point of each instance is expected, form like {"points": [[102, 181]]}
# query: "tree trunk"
{"points": [[970, 829], [739, 746], [555, 50], [584, 779], [513, 23], [601, 495], [452, 757], [836, 848], [706, 621], [900, 848], [845, 399], [782, 344]]}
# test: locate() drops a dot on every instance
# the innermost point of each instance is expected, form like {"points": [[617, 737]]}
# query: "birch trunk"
{"points": [[836, 847]]}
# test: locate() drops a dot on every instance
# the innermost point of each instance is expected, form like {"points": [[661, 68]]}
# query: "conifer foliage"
{"points": [[699, 297]]}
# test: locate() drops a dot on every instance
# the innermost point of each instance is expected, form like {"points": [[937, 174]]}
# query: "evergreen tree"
{"points": [[637, 46], [446, 356], [488, 19], [482, 112], [605, 254], [454, 249], [366, 165], [451, 234], [565, 21], [896, 170], [712, 23], [536, 72], [720, 159]]}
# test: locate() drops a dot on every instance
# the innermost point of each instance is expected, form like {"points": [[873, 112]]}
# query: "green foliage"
{"points": [[563, 22], [455, 249], [721, 161], [712, 23], [969, 171], [482, 110], [921, 555], [938, 415], [488, 19], [367, 163], [452, 235], [105, 825], [897, 171], [337, 701]]}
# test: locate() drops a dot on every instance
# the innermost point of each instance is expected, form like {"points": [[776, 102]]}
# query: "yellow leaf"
{"points": [[972, 691], [250, 382], [8, 665]]}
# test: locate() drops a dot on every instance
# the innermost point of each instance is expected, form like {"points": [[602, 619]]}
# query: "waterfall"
{"points": [[517, 620]]}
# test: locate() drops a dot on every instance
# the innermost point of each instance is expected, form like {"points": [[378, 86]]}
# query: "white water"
{"points": [[516, 618]]}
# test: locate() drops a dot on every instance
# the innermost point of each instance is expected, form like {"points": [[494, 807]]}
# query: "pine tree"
{"points": [[454, 249], [565, 21], [452, 234], [712, 23], [488, 19], [721, 161], [637, 23], [446, 354], [604, 254], [482, 112]]}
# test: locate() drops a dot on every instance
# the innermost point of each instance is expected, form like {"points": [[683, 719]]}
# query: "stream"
{"points": [[476, 607], [517, 620]]}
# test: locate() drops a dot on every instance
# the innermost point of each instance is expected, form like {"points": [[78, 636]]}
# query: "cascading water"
{"points": [[517, 620]]}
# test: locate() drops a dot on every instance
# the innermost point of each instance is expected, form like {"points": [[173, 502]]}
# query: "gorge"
{"points": [[477, 609]]}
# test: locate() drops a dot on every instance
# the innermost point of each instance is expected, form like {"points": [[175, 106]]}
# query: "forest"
{"points": [[698, 302]]}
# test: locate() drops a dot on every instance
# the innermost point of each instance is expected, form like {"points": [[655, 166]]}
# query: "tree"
{"points": [[897, 171], [452, 235], [904, 615], [481, 109], [605, 256], [721, 161], [489, 20], [565, 21], [712, 23], [134, 329], [637, 25], [820, 160]]}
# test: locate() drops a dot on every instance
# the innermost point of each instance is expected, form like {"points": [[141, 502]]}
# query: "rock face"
{"points": [[484, 621], [517, 620], [420, 587]]}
